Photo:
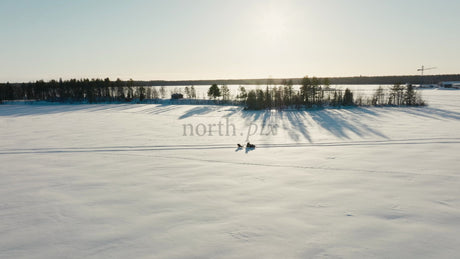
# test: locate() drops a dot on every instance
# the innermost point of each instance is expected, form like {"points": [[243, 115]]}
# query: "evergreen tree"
{"points": [[163, 92], [120, 90], [192, 92], [298, 100], [396, 95], [314, 90], [155, 93], [339, 98], [277, 94], [335, 99], [225, 92], [2, 92], [267, 103], [214, 91], [379, 97], [187, 92], [251, 101], [141, 93], [130, 94], [148, 94], [242, 94], [409, 95], [260, 99], [89, 93], [288, 93], [305, 90], [348, 98]]}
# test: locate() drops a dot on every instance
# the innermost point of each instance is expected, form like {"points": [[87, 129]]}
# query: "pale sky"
{"points": [[199, 39]]}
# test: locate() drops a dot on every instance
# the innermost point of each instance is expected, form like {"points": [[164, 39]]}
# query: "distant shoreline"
{"points": [[354, 80]]}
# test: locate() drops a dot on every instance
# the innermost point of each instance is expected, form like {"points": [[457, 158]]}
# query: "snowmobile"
{"points": [[248, 145]]}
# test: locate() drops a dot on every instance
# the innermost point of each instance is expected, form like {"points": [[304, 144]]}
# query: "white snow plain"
{"points": [[122, 181]]}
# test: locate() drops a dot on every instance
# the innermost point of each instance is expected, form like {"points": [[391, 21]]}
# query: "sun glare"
{"points": [[272, 24]]}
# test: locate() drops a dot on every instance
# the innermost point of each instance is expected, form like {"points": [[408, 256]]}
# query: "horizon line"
{"points": [[230, 79]]}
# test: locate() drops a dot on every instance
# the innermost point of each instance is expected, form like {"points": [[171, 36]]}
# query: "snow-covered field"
{"points": [[122, 181]]}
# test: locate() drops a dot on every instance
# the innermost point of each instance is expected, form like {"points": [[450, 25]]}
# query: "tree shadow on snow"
{"points": [[200, 110], [431, 113], [44, 109], [57, 108], [297, 126], [342, 123]]}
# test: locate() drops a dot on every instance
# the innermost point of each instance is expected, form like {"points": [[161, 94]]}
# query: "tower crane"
{"points": [[423, 68]]}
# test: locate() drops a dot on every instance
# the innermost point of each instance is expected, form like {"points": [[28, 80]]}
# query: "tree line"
{"points": [[354, 80], [313, 92], [316, 93], [84, 91]]}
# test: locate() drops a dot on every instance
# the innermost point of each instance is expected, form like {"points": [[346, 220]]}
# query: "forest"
{"points": [[313, 93]]}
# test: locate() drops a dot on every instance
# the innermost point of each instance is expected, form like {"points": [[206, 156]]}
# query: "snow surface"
{"points": [[122, 181]]}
